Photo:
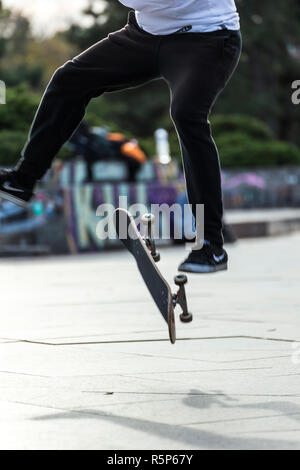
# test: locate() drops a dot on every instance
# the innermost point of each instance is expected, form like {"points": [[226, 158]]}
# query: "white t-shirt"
{"points": [[169, 16]]}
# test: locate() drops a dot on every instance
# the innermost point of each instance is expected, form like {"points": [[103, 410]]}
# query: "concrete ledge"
{"points": [[264, 223], [26, 250]]}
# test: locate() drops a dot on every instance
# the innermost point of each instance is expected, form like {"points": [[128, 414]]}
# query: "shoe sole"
{"points": [[199, 269], [14, 199]]}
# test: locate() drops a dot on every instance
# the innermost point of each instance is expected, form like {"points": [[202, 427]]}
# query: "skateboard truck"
{"points": [[180, 298], [180, 280], [148, 221]]}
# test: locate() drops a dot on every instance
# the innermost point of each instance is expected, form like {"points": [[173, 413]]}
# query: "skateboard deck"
{"points": [[157, 285]]}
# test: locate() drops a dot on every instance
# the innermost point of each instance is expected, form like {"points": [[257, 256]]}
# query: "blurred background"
{"points": [[127, 145]]}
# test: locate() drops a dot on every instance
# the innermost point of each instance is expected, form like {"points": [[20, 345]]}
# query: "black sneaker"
{"points": [[12, 190], [209, 259]]}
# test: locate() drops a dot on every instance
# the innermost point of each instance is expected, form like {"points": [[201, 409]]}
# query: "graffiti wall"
{"points": [[82, 202], [66, 219], [262, 188]]}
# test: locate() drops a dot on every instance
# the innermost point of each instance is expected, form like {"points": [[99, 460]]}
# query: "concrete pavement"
{"points": [[85, 361]]}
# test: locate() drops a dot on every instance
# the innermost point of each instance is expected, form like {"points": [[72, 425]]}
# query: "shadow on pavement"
{"points": [[196, 437]]}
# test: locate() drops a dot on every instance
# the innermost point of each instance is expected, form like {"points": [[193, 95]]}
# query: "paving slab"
{"points": [[85, 361]]}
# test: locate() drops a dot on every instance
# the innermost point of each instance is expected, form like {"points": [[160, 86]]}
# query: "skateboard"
{"points": [[146, 257]]}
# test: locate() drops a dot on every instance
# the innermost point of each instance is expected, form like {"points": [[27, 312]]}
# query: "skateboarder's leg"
{"points": [[196, 74], [124, 59]]}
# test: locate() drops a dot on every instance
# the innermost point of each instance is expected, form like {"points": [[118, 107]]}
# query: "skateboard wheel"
{"points": [[156, 257], [186, 318], [148, 219], [180, 280]]}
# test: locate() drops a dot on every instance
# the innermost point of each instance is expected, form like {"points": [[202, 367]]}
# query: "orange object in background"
{"points": [[129, 151], [132, 150], [115, 136]]}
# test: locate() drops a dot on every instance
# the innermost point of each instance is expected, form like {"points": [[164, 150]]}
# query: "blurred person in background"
{"points": [[106, 146], [128, 151], [90, 146], [195, 47]]}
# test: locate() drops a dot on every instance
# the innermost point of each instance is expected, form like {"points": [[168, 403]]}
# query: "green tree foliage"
{"points": [[242, 141], [269, 64], [20, 108], [15, 119], [235, 123], [15, 34], [240, 151], [248, 142], [261, 89], [25, 58]]}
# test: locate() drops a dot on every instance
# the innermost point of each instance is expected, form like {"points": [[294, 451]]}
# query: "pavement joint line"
{"points": [[285, 375], [246, 418], [23, 373], [197, 370], [93, 336], [267, 431], [11, 342], [197, 394], [87, 304], [156, 340], [148, 375], [265, 358], [48, 407], [205, 361], [59, 409], [138, 375]]}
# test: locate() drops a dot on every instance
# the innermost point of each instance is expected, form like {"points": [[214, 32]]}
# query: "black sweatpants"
{"points": [[196, 66]]}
